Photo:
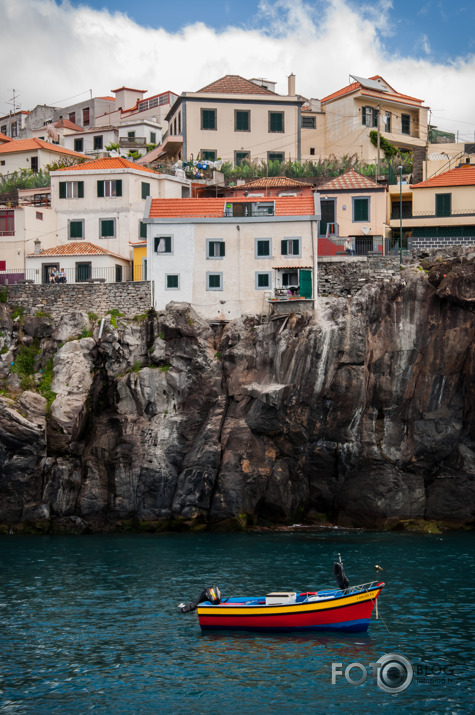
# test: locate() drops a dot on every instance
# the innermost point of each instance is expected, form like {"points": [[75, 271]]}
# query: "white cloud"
{"points": [[54, 52]]}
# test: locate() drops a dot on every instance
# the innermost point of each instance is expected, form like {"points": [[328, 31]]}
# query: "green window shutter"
{"points": [[360, 210], [305, 284], [295, 247], [62, 189], [118, 187], [75, 229], [172, 281], [443, 204], [363, 116], [80, 189], [168, 244], [221, 248], [100, 188], [143, 230], [145, 190], [107, 228], [263, 280], [283, 248], [262, 248]]}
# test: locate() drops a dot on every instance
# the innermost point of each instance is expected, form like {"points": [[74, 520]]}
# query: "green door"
{"points": [[305, 284]]}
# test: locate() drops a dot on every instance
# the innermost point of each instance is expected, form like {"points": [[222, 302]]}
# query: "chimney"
{"points": [[37, 249], [291, 90]]}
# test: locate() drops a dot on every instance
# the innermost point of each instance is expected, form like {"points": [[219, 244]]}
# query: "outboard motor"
{"points": [[210, 593], [340, 575]]}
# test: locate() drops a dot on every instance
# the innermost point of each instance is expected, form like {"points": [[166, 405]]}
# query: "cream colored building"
{"points": [[230, 257], [20, 227], [366, 104], [103, 202], [233, 119]]}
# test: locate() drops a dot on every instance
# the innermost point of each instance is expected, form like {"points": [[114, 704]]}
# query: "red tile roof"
{"points": [[35, 144], [272, 182], [67, 125], [106, 164], [75, 248], [393, 95], [350, 180], [214, 207], [461, 176], [4, 138], [129, 89], [234, 84]]}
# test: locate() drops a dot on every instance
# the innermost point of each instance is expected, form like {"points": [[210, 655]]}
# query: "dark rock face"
{"points": [[363, 412]]}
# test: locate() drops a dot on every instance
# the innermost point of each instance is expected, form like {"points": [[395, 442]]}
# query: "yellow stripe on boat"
{"points": [[284, 608]]}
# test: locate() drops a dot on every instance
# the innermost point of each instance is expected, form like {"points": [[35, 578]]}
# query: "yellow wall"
{"points": [[140, 252]]}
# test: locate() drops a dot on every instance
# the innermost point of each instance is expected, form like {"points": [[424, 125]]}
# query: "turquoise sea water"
{"points": [[90, 624]]}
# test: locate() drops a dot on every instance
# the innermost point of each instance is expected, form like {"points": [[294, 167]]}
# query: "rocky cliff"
{"points": [[362, 414]]}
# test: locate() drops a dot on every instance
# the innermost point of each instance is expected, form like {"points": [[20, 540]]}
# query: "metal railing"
{"points": [[340, 592], [12, 276]]}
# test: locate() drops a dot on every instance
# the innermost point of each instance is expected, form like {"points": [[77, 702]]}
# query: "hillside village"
{"points": [[231, 196]]}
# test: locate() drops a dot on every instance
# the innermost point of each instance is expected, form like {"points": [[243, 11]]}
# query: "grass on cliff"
{"points": [[25, 364], [44, 388]]}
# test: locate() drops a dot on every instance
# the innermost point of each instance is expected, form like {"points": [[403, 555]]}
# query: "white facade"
{"points": [[93, 142], [19, 228], [78, 268]]}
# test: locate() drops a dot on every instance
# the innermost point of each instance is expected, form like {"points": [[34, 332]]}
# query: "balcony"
{"points": [[249, 209], [131, 142]]}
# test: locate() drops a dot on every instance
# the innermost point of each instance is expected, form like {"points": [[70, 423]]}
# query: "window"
{"points": [[107, 228], [109, 188], [387, 121], [275, 156], [276, 121], [290, 279], [242, 121], [153, 137], [214, 281], [262, 247], [262, 280], [312, 151], [443, 204], [145, 189], [14, 129], [83, 272], [240, 157], [405, 123], [215, 248], [39, 216], [179, 123], [71, 189], [76, 229], [79, 145], [208, 154], [3, 129], [290, 247], [98, 142], [72, 117], [361, 209], [308, 122], [85, 117], [172, 281], [208, 118], [369, 116], [142, 229], [162, 244], [131, 135], [7, 223]]}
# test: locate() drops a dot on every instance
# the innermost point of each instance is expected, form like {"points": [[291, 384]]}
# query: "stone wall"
{"points": [[131, 298], [346, 277], [421, 243]]}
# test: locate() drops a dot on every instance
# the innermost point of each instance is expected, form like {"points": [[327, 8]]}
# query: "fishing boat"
{"points": [[346, 610]]}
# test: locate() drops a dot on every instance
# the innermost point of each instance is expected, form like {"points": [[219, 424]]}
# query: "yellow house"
{"points": [[439, 212], [365, 105], [139, 260]]}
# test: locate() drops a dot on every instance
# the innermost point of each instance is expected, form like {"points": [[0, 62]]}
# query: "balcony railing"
{"points": [[424, 214], [132, 141]]}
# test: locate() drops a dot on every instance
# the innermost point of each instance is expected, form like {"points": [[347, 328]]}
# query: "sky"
{"points": [[58, 51]]}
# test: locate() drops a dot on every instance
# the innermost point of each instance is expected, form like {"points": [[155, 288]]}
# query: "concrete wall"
{"points": [[130, 298]]}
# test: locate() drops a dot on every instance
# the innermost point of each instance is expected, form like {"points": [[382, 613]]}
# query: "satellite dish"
{"points": [[365, 230]]}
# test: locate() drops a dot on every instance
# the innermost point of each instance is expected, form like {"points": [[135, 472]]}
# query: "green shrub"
{"points": [[44, 388], [17, 312], [165, 368], [42, 314], [85, 334], [26, 363], [92, 317], [3, 295]]}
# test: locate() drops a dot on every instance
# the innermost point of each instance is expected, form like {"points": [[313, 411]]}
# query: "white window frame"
{"points": [[156, 245], [209, 241], [167, 287], [293, 238], [114, 235]]}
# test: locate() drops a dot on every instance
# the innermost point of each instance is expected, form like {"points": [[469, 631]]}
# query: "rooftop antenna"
{"points": [[13, 102]]}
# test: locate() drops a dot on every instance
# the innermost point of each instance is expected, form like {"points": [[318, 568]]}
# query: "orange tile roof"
{"points": [[461, 176], [67, 125], [75, 248], [4, 138], [34, 144], [235, 84], [274, 182], [111, 162], [214, 207], [350, 180], [357, 85], [129, 89]]}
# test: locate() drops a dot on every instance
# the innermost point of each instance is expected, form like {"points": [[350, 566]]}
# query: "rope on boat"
{"points": [[375, 602]]}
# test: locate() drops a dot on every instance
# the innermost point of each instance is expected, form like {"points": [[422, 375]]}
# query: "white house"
{"points": [[231, 256], [34, 154], [78, 262]]}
